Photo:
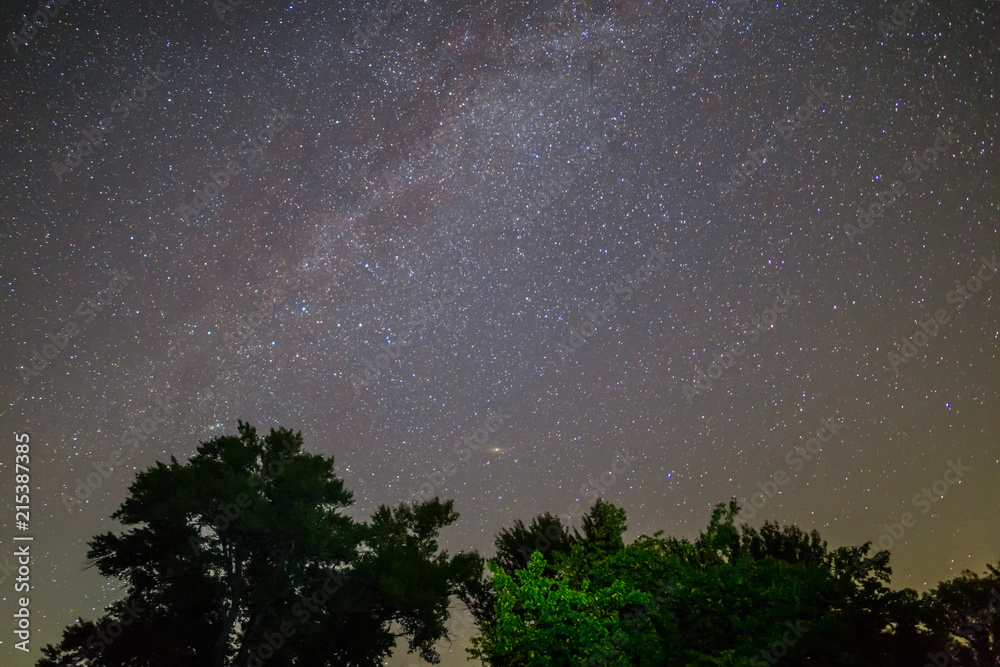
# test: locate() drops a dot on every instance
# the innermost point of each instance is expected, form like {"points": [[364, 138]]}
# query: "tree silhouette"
{"points": [[242, 555], [967, 614], [545, 534]]}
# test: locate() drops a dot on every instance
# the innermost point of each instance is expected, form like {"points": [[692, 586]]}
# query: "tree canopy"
{"points": [[243, 555], [735, 596]]}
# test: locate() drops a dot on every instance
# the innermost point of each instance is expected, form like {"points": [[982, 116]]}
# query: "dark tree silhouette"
{"points": [[967, 613], [242, 555], [546, 533]]}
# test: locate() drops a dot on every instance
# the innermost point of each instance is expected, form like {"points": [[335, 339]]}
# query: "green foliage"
{"points": [[735, 596], [543, 622]]}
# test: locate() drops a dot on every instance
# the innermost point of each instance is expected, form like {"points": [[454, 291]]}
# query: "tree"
{"points": [[545, 534], [243, 555], [544, 622], [734, 596], [967, 615]]}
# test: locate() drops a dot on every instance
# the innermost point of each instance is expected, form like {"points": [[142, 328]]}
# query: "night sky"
{"points": [[500, 250]]}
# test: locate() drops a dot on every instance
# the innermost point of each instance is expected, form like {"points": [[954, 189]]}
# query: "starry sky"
{"points": [[554, 249]]}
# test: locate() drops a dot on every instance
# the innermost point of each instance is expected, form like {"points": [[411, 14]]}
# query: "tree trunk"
{"points": [[234, 570]]}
